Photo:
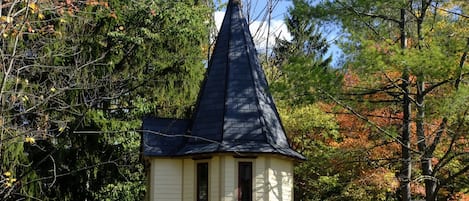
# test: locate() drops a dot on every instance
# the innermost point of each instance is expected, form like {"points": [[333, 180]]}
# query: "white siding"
{"points": [[229, 181], [280, 179], [189, 180], [166, 180], [260, 179], [175, 179], [214, 180]]}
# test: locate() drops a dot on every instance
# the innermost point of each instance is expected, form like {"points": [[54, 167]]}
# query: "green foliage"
{"points": [[305, 75], [308, 120], [432, 54], [303, 80], [90, 71], [309, 128]]}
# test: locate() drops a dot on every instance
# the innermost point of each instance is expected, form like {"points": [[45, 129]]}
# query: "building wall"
{"points": [[280, 179], [175, 179], [228, 182], [260, 179], [166, 179], [189, 192], [215, 178]]}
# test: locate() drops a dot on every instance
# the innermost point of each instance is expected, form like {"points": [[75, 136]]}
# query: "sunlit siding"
{"points": [[280, 180], [175, 179], [229, 180], [215, 180], [166, 180], [189, 180], [260, 179]]}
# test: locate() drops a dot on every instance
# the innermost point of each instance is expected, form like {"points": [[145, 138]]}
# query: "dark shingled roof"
{"points": [[235, 111]]}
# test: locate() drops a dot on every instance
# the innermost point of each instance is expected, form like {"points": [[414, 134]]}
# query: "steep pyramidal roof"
{"points": [[235, 111]]}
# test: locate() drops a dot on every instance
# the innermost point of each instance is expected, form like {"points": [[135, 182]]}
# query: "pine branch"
{"points": [[432, 87]]}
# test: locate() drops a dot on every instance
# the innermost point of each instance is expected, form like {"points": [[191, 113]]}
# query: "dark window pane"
{"points": [[245, 181], [202, 181]]}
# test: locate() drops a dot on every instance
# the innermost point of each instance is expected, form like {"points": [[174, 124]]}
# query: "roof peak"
{"points": [[236, 2], [235, 111]]}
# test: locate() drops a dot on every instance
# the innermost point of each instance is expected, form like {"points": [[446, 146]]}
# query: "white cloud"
{"points": [[219, 18], [259, 31]]}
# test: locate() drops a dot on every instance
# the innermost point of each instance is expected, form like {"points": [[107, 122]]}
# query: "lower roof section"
{"points": [[169, 138]]}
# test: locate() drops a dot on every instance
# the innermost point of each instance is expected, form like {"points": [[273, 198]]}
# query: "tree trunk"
{"points": [[406, 168], [426, 160], [426, 157]]}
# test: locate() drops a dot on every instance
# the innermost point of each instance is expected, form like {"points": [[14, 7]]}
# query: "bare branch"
{"points": [[368, 121], [452, 12], [461, 65], [457, 174], [437, 138]]}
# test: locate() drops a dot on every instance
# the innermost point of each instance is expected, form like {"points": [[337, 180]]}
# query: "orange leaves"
{"points": [[6, 19], [97, 3], [351, 79], [113, 15], [380, 177]]}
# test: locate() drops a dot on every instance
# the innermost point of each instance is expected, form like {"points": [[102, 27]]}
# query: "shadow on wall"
{"points": [[279, 186]]}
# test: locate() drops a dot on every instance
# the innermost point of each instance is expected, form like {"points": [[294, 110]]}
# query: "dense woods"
{"points": [[391, 123], [76, 79], [396, 129]]}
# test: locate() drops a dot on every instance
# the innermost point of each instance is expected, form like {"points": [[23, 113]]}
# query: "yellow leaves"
{"points": [[8, 182], [58, 34], [61, 129], [30, 140], [6, 19], [40, 16], [34, 7], [25, 98], [53, 89], [7, 174]]}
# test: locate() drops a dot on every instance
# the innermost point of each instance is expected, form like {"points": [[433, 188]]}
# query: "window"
{"points": [[202, 181], [245, 181]]}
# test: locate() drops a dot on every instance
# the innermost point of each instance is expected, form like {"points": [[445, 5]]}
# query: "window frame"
{"points": [[241, 165], [197, 180]]}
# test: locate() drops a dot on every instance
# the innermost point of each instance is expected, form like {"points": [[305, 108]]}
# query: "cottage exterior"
{"points": [[234, 148]]}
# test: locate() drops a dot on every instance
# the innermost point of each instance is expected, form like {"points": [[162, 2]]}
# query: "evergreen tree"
{"points": [[300, 77], [77, 78], [412, 54], [301, 66]]}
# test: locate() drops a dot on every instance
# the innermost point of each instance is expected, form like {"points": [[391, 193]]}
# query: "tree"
{"points": [[426, 42], [310, 130], [297, 73], [302, 69], [76, 79]]}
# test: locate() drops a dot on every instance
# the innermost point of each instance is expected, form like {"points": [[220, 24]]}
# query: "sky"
{"points": [[258, 26]]}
